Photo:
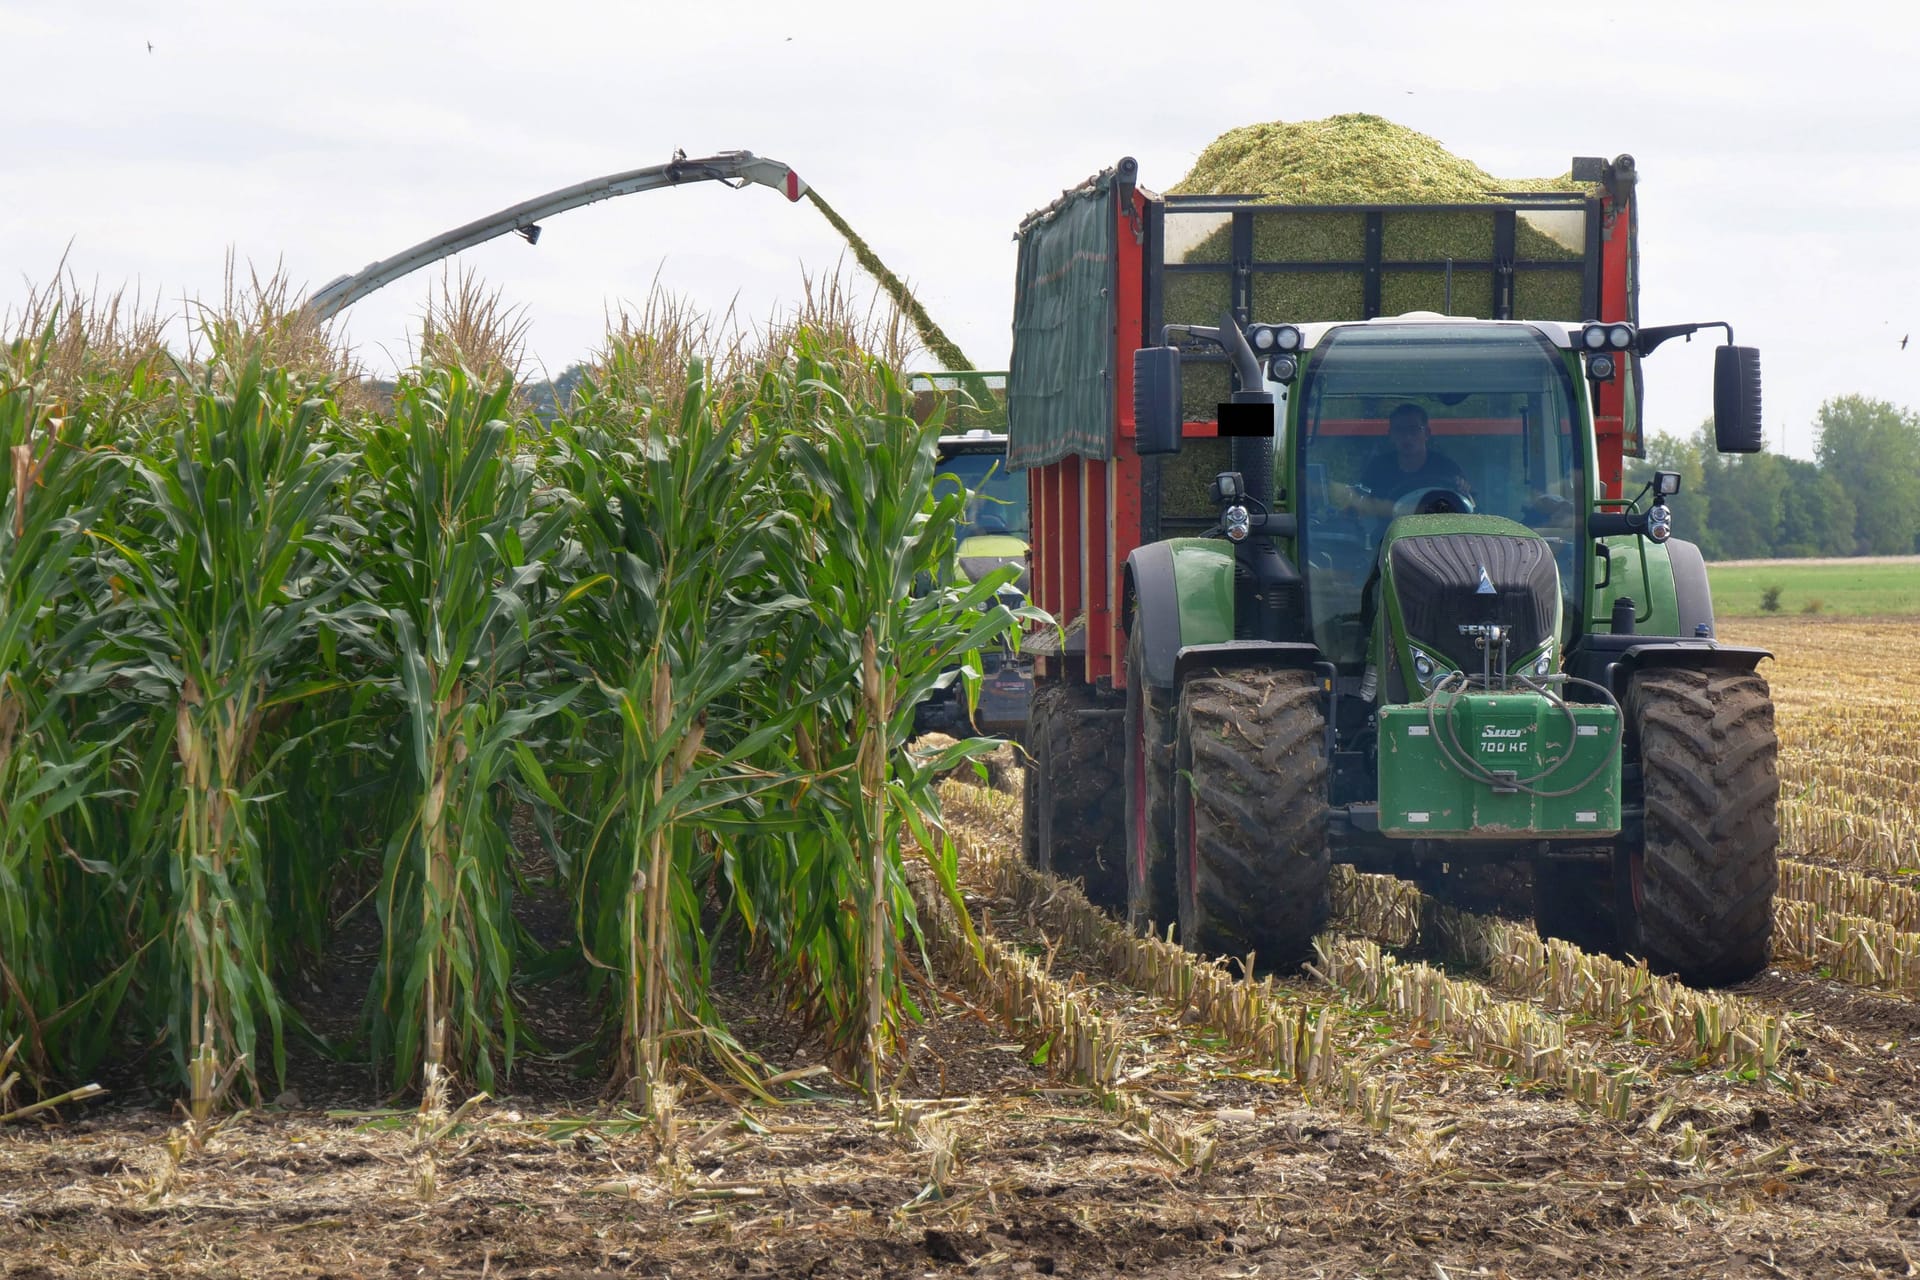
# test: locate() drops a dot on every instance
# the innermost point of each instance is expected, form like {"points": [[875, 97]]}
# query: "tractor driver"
{"points": [[1410, 465]]}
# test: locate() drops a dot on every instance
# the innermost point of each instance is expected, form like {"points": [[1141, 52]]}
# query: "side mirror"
{"points": [[1158, 410], [1736, 400]]}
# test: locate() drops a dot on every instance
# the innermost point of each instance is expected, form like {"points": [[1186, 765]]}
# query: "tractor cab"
{"points": [[1403, 422]]}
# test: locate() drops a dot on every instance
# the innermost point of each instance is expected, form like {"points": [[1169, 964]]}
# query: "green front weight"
{"points": [[1428, 788]]}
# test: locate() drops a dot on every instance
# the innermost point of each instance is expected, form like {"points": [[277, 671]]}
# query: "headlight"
{"points": [[1660, 522], [1428, 672]]}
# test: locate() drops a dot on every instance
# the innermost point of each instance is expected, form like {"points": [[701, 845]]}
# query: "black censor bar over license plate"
{"points": [[1246, 420]]}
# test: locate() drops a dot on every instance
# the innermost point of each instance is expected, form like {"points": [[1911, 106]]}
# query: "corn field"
{"points": [[278, 661], [293, 674]]}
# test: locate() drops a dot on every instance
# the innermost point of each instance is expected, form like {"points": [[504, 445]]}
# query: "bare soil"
{"points": [[985, 1164]]}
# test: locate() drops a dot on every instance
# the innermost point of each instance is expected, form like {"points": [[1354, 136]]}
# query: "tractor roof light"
{"points": [[1600, 366], [1282, 367], [1666, 483], [1268, 338], [1607, 336]]}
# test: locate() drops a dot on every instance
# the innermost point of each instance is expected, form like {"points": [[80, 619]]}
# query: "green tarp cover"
{"points": [[1060, 383]]}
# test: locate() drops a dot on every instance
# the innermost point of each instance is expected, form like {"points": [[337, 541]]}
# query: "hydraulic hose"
{"points": [[1460, 757]]}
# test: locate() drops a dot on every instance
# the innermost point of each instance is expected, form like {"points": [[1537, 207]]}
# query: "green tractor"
{"points": [[974, 459], [1419, 638], [1328, 502]]}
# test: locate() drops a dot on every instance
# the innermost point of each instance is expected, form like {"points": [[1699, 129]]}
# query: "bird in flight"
{"points": [[149, 46], [1903, 340]]}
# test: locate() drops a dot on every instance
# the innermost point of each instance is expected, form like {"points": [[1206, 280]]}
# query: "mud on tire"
{"points": [[1697, 899], [1075, 795], [1250, 814]]}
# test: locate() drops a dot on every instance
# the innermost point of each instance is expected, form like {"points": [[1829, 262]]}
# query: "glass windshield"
{"points": [[999, 499], [1404, 419]]}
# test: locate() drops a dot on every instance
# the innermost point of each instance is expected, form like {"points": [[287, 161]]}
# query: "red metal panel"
{"points": [[1120, 490], [1061, 530], [1073, 546], [1039, 540], [1616, 247], [1099, 571]]}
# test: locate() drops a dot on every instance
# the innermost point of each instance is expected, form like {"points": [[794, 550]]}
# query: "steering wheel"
{"points": [[1433, 500]]}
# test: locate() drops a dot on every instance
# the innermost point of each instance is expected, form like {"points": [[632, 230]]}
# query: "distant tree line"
{"points": [[1860, 495], [547, 398]]}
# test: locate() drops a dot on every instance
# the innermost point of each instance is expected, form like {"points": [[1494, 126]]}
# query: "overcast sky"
{"points": [[1778, 145]]}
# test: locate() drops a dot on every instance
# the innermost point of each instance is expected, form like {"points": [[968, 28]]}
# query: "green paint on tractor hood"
{"points": [[1656, 607], [1203, 577], [1393, 637], [1454, 522], [981, 554], [1003, 545]]}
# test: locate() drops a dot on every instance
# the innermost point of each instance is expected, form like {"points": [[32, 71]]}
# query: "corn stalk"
{"points": [[52, 491], [458, 586], [677, 521], [887, 620], [230, 567]]}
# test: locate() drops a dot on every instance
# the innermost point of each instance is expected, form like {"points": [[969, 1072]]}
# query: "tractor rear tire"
{"points": [[1076, 794], [1250, 814], [1696, 899], [1151, 899], [1571, 902]]}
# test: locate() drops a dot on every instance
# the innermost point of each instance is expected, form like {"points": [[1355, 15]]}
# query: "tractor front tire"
{"points": [[1075, 792], [1696, 898], [1149, 775], [1250, 814]]}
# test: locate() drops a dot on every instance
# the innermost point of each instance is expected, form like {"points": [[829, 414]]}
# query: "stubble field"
{"points": [[1442, 1096]]}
